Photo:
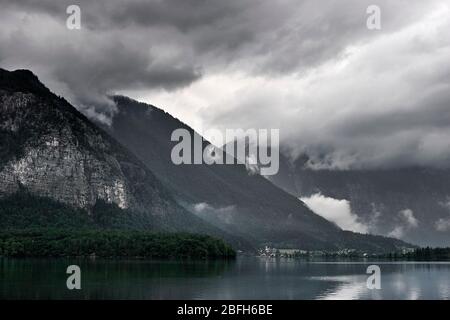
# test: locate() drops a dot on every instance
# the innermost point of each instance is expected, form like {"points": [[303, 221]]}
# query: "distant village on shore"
{"points": [[297, 253]]}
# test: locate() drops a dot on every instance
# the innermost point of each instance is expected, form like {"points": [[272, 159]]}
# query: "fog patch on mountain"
{"points": [[443, 224], [207, 211], [335, 210], [407, 221]]}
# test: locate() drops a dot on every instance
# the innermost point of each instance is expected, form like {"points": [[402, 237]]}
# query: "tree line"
{"points": [[111, 243], [32, 226]]}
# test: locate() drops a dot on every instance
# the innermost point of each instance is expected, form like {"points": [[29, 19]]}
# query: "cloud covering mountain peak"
{"points": [[346, 96]]}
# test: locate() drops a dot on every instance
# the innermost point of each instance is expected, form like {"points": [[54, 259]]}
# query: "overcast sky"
{"points": [[348, 96]]}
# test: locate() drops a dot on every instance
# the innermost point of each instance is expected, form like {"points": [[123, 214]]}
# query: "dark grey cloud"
{"points": [[86, 64], [348, 96], [281, 36]]}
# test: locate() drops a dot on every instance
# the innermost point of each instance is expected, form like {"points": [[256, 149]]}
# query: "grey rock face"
{"points": [[50, 149], [53, 163]]}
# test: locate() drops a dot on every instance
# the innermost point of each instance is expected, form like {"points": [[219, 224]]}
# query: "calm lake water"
{"points": [[245, 278]]}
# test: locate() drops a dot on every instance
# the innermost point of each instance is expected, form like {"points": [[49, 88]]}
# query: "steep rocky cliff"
{"points": [[50, 149]]}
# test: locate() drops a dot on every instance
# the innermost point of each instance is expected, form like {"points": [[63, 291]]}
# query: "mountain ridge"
{"points": [[224, 195], [51, 150], [379, 196]]}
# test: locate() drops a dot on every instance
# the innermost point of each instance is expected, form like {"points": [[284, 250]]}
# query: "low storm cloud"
{"points": [[346, 96]]}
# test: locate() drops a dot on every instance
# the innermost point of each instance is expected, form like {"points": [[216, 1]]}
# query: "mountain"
{"points": [[410, 203], [48, 149], [228, 196], [57, 168]]}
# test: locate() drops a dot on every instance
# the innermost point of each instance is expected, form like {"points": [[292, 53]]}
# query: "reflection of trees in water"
{"points": [[244, 278], [106, 279], [164, 269], [102, 269]]}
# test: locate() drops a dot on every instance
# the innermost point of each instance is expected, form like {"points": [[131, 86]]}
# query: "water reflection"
{"points": [[245, 278]]}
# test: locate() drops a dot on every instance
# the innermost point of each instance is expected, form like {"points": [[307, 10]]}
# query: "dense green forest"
{"points": [[33, 226], [107, 243], [24, 211]]}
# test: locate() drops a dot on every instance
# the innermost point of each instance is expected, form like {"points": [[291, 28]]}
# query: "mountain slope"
{"points": [[379, 197], [51, 150], [226, 195]]}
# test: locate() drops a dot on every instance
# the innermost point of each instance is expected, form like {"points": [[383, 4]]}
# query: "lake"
{"points": [[244, 278]]}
